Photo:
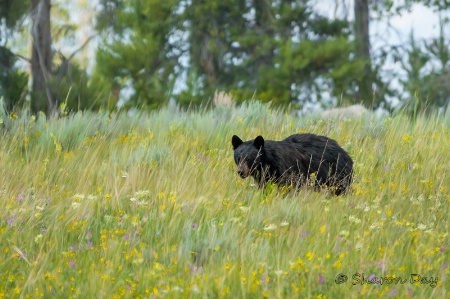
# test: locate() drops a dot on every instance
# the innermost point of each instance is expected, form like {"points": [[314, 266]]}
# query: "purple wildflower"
{"points": [[263, 279], [197, 269], [304, 234], [393, 292], [11, 221], [201, 158], [72, 264]]}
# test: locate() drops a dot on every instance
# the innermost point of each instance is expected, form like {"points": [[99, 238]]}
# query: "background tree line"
{"points": [[282, 51]]}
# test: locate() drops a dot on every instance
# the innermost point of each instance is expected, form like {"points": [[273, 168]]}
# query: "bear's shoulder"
{"points": [[303, 137]]}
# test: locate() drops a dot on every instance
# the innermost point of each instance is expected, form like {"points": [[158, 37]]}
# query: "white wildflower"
{"points": [[244, 209], [270, 227], [344, 233], [354, 219], [78, 197], [38, 238]]}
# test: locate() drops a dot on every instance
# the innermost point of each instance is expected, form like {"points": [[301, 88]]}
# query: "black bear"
{"points": [[291, 161]]}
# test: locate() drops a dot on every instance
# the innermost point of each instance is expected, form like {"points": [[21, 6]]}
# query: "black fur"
{"points": [[292, 161]]}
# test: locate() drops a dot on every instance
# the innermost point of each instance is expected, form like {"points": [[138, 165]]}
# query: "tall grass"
{"points": [[150, 205]]}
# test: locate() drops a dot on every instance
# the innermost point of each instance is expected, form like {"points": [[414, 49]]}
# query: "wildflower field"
{"points": [[150, 206]]}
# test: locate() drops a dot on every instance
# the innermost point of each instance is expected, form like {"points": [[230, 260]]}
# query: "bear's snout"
{"points": [[242, 174], [243, 170]]}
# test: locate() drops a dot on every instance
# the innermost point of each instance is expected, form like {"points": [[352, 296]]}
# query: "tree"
{"points": [[279, 51], [429, 82], [41, 58], [13, 81], [427, 87], [137, 48], [362, 42], [11, 11], [425, 62]]}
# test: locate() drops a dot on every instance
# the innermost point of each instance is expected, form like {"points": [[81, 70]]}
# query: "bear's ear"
{"points": [[258, 142], [236, 141]]}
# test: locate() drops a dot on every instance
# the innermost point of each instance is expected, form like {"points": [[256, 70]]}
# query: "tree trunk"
{"points": [[362, 41], [43, 98]]}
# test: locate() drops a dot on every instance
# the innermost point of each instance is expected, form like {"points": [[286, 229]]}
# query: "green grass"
{"points": [[150, 206]]}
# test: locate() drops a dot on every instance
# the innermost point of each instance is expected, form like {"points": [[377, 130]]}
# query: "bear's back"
{"points": [[311, 143], [315, 145], [307, 138]]}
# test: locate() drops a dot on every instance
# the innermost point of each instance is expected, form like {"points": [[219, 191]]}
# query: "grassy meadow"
{"points": [[150, 206]]}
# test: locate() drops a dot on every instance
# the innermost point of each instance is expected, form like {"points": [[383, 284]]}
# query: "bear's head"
{"points": [[247, 155]]}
